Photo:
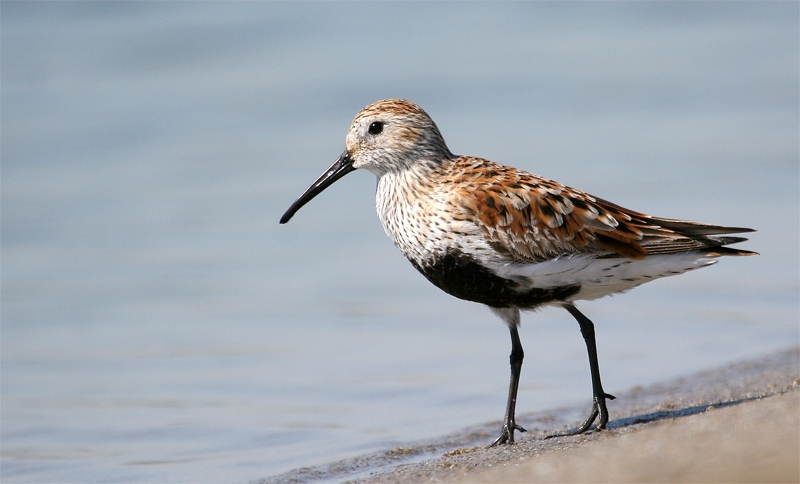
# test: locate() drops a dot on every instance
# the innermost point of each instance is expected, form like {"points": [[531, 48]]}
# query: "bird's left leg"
{"points": [[599, 396], [511, 317]]}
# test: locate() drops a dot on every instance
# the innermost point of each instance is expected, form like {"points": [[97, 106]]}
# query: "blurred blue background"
{"points": [[158, 325]]}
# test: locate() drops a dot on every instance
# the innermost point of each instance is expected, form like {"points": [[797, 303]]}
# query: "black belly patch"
{"points": [[460, 275]]}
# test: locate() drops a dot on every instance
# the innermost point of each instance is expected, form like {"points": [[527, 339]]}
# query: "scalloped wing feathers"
{"points": [[530, 218]]}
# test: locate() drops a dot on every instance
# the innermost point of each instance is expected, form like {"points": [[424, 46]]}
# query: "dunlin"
{"points": [[508, 239]]}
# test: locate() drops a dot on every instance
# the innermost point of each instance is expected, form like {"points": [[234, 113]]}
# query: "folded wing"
{"points": [[529, 218]]}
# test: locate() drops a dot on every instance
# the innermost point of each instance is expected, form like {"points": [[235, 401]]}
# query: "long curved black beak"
{"points": [[338, 169]]}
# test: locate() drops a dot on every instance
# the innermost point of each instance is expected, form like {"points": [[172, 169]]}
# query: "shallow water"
{"points": [[158, 325]]}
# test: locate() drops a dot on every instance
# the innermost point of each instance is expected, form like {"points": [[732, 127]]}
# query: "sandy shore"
{"points": [[740, 423], [756, 441]]}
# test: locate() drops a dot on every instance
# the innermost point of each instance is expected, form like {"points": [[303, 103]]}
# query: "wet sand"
{"points": [[740, 423]]}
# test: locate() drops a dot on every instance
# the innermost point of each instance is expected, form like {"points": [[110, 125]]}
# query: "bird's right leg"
{"points": [[511, 317]]}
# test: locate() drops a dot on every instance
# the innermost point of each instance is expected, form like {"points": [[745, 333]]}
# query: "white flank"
{"points": [[601, 277]]}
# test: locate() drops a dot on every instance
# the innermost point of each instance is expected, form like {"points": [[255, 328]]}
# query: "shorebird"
{"points": [[509, 239]]}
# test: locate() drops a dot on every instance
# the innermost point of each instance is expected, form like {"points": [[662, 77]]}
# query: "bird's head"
{"points": [[387, 136]]}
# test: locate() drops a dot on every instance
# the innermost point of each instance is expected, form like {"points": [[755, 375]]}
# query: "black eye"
{"points": [[376, 127]]}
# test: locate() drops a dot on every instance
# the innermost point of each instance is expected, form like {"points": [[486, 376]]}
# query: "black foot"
{"points": [[598, 408], [507, 435]]}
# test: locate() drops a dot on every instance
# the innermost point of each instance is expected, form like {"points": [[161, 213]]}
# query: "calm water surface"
{"points": [[158, 325]]}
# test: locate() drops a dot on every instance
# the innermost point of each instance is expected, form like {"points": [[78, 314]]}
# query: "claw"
{"points": [[507, 435], [598, 409]]}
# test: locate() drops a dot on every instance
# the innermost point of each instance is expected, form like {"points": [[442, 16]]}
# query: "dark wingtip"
{"points": [[728, 240], [740, 230]]}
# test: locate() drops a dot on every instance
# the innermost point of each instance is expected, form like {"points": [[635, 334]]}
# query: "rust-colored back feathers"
{"points": [[531, 218]]}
